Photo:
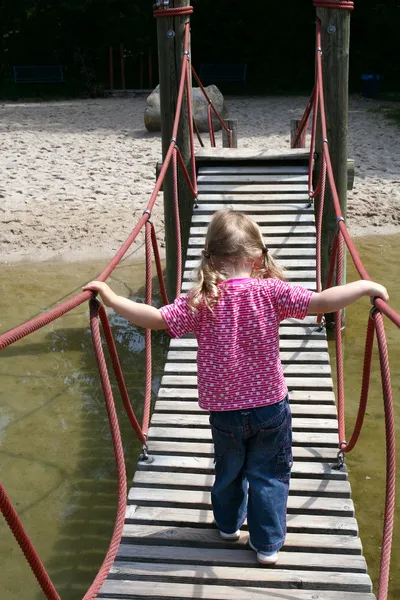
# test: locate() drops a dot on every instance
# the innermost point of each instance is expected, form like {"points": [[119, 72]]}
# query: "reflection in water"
{"points": [[56, 458]]}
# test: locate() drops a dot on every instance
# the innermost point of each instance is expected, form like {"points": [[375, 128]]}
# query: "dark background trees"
{"points": [[275, 40]]}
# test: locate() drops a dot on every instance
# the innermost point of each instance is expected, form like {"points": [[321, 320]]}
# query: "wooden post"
{"points": [[170, 37], [111, 67], [232, 124], [335, 43], [294, 126], [121, 56]]}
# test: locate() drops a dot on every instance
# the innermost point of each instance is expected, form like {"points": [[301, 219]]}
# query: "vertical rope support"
{"points": [[157, 260], [190, 117], [320, 217], [147, 336], [112, 349], [26, 546], [339, 346], [388, 521], [177, 223], [118, 453], [211, 126]]}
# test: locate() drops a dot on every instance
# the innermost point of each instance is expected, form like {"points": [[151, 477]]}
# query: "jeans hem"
{"points": [[268, 548]]}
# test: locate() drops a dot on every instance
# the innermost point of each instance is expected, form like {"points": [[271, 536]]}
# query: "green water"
{"points": [[56, 459]]}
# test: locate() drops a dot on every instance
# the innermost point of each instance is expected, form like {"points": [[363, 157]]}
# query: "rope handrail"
{"points": [[97, 313], [375, 320]]}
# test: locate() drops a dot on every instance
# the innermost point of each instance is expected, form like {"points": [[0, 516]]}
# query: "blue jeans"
{"points": [[253, 459]]}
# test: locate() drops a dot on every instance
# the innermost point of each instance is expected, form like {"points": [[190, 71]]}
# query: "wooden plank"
{"points": [[284, 252], [262, 188], [277, 197], [240, 558], [288, 263], [201, 499], [261, 578], [210, 538], [253, 178], [251, 170], [207, 449], [233, 155], [274, 229], [296, 370], [258, 209], [310, 344], [125, 590], [279, 219], [190, 464], [299, 275], [286, 357], [300, 438], [187, 285], [328, 411], [295, 396], [271, 242], [323, 383]]}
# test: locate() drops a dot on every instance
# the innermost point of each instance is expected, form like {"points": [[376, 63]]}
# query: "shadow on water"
{"points": [[57, 462]]}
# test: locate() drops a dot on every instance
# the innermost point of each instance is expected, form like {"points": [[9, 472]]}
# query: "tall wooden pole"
{"points": [[170, 34], [335, 43]]}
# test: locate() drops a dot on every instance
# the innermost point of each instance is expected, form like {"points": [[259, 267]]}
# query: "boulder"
{"points": [[152, 117]]}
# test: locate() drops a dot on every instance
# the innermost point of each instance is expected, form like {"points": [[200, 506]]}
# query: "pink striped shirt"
{"points": [[238, 361]]}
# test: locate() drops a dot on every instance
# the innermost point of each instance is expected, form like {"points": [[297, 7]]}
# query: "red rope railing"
{"points": [[375, 321], [97, 312]]}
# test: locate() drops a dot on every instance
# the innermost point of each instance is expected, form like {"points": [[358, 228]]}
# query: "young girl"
{"points": [[235, 310]]}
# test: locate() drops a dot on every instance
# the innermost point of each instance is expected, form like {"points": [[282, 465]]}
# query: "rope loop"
{"points": [[345, 4], [160, 12]]}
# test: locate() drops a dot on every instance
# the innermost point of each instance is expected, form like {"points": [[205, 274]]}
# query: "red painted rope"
{"points": [[118, 373], [171, 12], [201, 86], [339, 345], [157, 260], [211, 126], [388, 521], [198, 134], [302, 128], [26, 546], [369, 345], [118, 453], [186, 173], [177, 222], [346, 4], [147, 336], [190, 118]]}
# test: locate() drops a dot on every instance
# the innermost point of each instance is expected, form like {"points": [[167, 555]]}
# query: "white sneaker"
{"points": [[232, 537], [265, 558]]}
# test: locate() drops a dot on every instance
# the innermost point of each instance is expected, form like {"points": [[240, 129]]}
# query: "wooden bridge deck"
{"points": [[170, 548]]}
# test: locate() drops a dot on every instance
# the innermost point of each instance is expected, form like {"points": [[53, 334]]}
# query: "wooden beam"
{"points": [[232, 124], [170, 36]]}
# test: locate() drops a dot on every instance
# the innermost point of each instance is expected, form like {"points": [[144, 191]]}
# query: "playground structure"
{"points": [[142, 61], [323, 558]]}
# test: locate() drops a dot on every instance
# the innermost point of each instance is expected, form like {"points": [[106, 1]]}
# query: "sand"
{"points": [[75, 176]]}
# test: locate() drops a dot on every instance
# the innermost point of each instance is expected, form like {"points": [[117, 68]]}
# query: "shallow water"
{"points": [[56, 459]]}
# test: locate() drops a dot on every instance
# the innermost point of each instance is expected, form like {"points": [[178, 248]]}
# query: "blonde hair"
{"points": [[231, 237]]}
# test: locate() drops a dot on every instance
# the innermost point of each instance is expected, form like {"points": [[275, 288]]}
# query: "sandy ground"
{"points": [[75, 176]]}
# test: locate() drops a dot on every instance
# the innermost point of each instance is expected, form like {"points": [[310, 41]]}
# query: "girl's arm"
{"points": [[339, 297], [142, 315]]}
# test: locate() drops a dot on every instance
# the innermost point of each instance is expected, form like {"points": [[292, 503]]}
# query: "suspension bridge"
{"points": [[164, 543]]}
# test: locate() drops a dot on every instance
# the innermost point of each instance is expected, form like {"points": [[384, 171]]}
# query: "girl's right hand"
{"points": [[376, 290], [106, 293]]}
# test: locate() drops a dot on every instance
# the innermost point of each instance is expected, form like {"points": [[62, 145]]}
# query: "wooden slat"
{"points": [[281, 219], [271, 198], [238, 557], [272, 242], [273, 229], [286, 357], [262, 188], [296, 369], [207, 449], [190, 464], [300, 438], [257, 210], [181, 536], [309, 344], [218, 156], [299, 275], [253, 178], [310, 285], [323, 383], [328, 411], [259, 578], [296, 396], [251, 170], [288, 263]]}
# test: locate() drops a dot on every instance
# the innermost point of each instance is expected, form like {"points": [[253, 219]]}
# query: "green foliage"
{"points": [[275, 40]]}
